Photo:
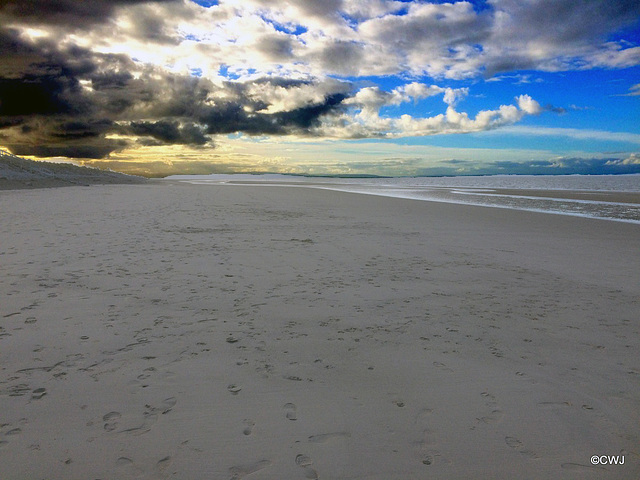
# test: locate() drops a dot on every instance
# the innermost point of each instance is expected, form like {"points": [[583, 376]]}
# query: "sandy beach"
{"points": [[20, 173], [169, 330]]}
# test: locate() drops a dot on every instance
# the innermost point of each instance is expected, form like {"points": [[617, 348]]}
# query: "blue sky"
{"points": [[341, 86]]}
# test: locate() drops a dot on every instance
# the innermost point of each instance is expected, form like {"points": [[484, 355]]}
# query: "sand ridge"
{"points": [[20, 173], [185, 331]]}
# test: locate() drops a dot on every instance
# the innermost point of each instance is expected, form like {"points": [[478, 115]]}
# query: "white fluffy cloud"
{"points": [[529, 105], [632, 159], [365, 119]]}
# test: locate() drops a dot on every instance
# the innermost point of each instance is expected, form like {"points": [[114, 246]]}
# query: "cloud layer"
{"points": [[86, 79]]}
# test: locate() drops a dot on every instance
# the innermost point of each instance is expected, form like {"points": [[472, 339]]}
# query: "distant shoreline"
{"points": [[371, 176], [20, 173]]}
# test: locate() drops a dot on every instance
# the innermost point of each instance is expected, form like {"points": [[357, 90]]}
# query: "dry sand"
{"points": [[200, 332], [19, 173]]}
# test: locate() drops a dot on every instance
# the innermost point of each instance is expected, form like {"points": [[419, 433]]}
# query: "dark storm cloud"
{"points": [[44, 109], [307, 117], [70, 151], [244, 112], [32, 81], [57, 101], [76, 130], [66, 13], [169, 132], [232, 117], [34, 96], [53, 136], [111, 80], [38, 78]]}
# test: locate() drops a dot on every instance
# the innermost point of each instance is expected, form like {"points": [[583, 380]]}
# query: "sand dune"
{"points": [[17, 173], [228, 332]]}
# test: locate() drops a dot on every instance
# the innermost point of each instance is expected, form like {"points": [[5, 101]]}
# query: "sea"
{"points": [[606, 197]]}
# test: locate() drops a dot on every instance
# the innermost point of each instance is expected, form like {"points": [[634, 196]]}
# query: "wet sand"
{"points": [[603, 196], [221, 332]]}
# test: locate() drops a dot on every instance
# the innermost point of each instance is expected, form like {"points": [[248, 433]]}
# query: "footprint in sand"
{"points": [[111, 421], [163, 464], [241, 471], [150, 416], [425, 446], [248, 427], [290, 411], [168, 404], [305, 462], [124, 461], [442, 366], [127, 467], [495, 414], [526, 377], [38, 393], [519, 447], [426, 453]]}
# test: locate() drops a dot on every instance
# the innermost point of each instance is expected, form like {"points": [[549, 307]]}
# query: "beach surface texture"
{"points": [[18, 173], [169, 330]]}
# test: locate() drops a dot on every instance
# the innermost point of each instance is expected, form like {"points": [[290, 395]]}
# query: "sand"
{"points": [[21, 173], [224, 332]]}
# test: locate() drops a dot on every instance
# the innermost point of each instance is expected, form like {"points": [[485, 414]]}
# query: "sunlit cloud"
{"points": [[101, 79]]}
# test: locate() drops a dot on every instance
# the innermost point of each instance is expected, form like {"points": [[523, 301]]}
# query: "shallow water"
{"points": [[609, 197]]}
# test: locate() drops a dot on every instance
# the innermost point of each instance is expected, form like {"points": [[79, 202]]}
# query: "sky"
{"points": [[328, 87]]}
